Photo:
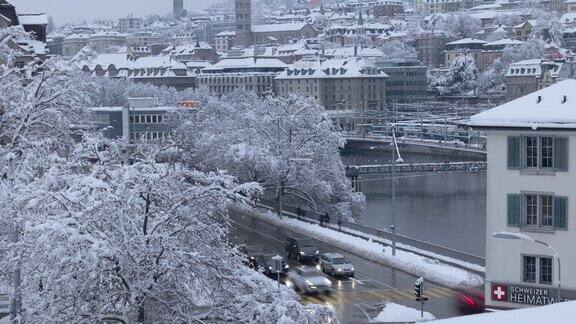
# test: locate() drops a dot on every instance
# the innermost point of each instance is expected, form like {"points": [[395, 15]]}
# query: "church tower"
{"points": [[243, 9], [178, 8]]}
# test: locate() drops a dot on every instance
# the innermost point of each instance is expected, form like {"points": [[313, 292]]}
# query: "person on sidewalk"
{"points": [[340, 223], [299, 213]]}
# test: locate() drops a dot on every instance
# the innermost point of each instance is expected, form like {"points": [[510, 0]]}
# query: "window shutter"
{"points": [[561, 153], [514, 149], [514, 210], [561, 212]]}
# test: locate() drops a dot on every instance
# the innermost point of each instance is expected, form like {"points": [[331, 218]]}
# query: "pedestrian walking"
{"points": [[327, 220], [299, 213], [339, 223]]}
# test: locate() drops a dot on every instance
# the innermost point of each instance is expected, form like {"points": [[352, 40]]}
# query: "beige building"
{"points": [[430, 47], [338, 84], [527, 76], [470, 46], [522, 31], [130, 24], [428, 7], [72, 44], [101, 41], [224, 41], [252, 74]]}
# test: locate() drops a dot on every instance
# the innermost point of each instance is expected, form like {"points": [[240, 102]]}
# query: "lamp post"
{"points": [[393, 212], [519, 236]]}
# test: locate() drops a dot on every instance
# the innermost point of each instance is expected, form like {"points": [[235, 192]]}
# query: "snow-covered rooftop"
{"points": [[551, 107], [278, 27], [466, 41], [33, 19], [532, 67], [334, 68], [504, 42], [246, 63]]}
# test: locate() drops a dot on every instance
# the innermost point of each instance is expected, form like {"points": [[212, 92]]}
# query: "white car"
{"points": [[336, 264], [309, 280]]}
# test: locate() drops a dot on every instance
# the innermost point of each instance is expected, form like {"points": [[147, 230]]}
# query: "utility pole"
{"points": [[393, 226]]}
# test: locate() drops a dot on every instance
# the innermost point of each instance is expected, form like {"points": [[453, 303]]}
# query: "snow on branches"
{"points": [[288, 145]]}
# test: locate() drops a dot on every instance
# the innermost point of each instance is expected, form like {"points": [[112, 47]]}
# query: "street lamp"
{"points": [[394, 160], [520, 236]]}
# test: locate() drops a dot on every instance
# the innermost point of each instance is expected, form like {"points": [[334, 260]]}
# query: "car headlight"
{"points": [[317, 251], [327, 281], [339, 270], [309, 283], [301, 253], [286, 266], [351, 269]]}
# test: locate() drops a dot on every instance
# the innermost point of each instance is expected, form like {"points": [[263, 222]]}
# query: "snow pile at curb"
{"points": [[429, 269], [394, 313]]}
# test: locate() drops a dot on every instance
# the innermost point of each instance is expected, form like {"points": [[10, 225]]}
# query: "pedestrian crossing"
{"points": [[359, 296]]}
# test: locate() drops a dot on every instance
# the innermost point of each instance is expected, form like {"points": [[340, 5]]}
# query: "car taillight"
{"points": [[469, 301]]}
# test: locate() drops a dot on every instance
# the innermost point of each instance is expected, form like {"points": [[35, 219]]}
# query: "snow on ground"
{"points": [[427, 268], [562, 313], [395, 313]]}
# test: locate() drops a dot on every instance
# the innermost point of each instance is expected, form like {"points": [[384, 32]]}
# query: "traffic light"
{"points": [[418, 287]]}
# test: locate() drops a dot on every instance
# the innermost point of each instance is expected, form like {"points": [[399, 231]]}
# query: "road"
{"points": [[372, 284]]}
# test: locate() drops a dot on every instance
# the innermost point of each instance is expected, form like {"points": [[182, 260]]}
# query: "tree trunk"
{"points": [[141, 314], [278, 200]]}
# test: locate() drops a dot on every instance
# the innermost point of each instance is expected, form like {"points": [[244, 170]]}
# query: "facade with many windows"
{"points": [[531, 146]]}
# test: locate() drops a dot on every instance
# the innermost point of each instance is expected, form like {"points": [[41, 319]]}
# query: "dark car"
{"points": [[247, 252], [300, 249], [471, 300]]}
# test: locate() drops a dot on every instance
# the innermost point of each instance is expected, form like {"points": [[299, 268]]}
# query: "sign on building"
{"points": [[520, 294]]}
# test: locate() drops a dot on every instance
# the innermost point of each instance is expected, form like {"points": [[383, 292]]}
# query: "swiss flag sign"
{"points": [[499, 292]]}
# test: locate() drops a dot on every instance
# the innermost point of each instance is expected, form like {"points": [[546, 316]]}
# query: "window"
{"points": [[529, 269], [538, 211], [537, 269], [538, 153], [546, 271]]}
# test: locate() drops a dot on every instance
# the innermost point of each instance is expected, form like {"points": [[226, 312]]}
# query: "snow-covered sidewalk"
{"points": [[417, 265], [395, 313]]}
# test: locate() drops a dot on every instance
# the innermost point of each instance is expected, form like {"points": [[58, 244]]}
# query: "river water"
{"points": [[448, 209]]}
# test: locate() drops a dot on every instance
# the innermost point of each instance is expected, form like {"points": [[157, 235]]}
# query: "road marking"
{"points": [[357, 281], [432, 293], [253, 230]]}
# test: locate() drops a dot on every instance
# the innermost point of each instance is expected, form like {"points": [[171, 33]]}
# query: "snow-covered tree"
{"points": [[288, 145], [549, 28], [493, 78], [398, 50], [459, 25], [461, 77], [139, 240]]}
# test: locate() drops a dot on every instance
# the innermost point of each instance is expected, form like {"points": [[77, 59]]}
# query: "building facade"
{"points": [[531, 155], [243, 16], [178, 8], [407, 80], [430, 47], [130, 24], [252, 74], [338, 84]]}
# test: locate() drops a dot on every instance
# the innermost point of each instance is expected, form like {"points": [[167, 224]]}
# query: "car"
{"points": [[301, 249], [471, 300], [309, 280], [247, 252], [260, 263], [336, 264]]}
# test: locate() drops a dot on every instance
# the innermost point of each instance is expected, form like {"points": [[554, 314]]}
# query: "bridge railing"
{"points": [[403, 242], [417, 168]]}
